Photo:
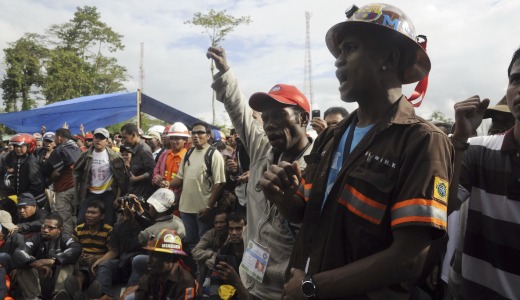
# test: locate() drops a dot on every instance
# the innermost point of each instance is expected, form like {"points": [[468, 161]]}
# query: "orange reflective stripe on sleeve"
{"points": [[361, 205], [420, 211], [189, 294], [304, 190]]}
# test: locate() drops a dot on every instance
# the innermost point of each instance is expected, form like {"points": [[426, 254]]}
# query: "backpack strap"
{"points": [[187, 156], [208, 159]]}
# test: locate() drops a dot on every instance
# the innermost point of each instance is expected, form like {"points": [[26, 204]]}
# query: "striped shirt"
{"points": [[490, 245], [96, 243]]}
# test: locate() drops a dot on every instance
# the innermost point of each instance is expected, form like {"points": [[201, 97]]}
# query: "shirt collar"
{"points": [[509, 143]]}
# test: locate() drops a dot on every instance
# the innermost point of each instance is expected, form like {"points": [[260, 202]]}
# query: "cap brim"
{"points": [[169, 251], [178, 134], [262, 101], [490, 111], [413, 73], [157, 205], [9, 226]]}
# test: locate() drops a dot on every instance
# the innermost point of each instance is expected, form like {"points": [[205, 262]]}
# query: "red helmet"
{"points": [[24, 139], [379, 16], [166, 241]]}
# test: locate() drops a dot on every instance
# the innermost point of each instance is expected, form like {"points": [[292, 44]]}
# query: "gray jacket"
{"points": [[265, 225]]}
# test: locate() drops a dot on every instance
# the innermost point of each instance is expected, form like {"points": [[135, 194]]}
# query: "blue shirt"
{"points": [[337, 156]]}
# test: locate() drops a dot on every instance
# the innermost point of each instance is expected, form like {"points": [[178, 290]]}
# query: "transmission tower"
{"points": [[141, 68], [307, 88]]}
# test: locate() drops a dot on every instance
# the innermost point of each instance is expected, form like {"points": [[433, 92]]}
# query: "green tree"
{"points": [[78, 65], [23, 74], [437, 115], [217, 25]]}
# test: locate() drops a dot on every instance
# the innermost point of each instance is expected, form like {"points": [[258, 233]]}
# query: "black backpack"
{"points": [[208, 158]]}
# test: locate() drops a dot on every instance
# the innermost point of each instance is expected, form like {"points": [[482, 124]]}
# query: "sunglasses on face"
{"points": [[200, 132]]}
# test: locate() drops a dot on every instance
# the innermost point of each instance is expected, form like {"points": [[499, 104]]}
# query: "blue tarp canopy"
{"points": [[93, 112]]}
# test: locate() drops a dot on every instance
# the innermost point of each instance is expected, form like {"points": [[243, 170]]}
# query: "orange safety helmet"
{"points": [[379, 16], [24, 139], [166, 241]]}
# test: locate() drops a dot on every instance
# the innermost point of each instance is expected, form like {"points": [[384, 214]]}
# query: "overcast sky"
{"points": [[470, 44]]}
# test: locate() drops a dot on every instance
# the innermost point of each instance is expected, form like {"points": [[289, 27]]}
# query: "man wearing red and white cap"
{"points": [[285, 115], [374, 194]]}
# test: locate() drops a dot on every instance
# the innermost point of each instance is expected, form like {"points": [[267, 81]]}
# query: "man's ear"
{"points": [[391, 58], [304, 118]]}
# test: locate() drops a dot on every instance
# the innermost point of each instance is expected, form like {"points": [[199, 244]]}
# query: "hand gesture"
{"points": [[65, 125], [81, 128], [94, 266], [468, 116], [204, 213], [318, 124], [292, 290], [244, 177], [219, 57], [232, 166], [281, 181], [228, 274]]}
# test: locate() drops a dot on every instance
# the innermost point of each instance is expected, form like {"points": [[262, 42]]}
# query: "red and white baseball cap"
{"points": [[283, 94]]}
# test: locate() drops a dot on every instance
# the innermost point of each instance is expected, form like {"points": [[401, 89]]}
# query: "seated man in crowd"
{"points": [[47, 260], [160, 216], [94, 236], [31, 216], [231, 253], [167, 276], [206, 250], [116, 265], [10, 240]]}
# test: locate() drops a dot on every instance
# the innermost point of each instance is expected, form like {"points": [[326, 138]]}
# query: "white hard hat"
{"points": [[157, 128], [178, 129]]}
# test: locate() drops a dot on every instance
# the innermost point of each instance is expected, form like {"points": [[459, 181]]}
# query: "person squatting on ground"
{"points": [[167, 276], [47, 260]]}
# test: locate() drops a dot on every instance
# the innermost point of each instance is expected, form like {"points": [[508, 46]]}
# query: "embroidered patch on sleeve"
{"points": [[440, 189]]}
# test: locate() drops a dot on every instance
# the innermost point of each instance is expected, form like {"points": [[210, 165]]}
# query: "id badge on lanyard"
{"points": [[254, 261]]}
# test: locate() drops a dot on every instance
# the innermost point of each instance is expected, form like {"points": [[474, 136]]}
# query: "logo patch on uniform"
{"points": [[440, 189]]}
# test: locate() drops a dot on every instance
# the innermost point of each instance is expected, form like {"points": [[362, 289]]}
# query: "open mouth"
{"points": [[341, 76]]}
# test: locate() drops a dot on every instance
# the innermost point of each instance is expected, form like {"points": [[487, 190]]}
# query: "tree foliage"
{"points": [[437, 115], [69, 61], [24, 59], [217, 25]]}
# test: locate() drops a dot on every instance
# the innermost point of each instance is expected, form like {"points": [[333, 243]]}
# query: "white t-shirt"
{"points": [[102, 177]]}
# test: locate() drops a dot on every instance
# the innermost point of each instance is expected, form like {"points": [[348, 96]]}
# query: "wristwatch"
{"points": [[308, 287]]}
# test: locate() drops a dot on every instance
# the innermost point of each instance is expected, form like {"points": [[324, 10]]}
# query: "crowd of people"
{"points": [[379, 204]]}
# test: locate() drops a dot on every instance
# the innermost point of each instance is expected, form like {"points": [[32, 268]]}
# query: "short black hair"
{"points": [[64, 133], [220, 212], [515, 57], [336, 110], [55, 217], [203, 124], [97, 204], [130, 128], [235, 217]]}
